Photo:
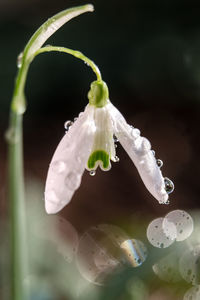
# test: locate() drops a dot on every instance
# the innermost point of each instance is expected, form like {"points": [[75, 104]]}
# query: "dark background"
{"points": [[149, 55]]}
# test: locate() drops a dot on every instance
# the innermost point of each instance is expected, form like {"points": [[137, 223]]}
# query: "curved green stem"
{"points": [[18, 104], [75, 53], [19, 255]]}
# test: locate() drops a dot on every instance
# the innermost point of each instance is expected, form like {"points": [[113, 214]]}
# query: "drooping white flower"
{"points": [[89, 143]]}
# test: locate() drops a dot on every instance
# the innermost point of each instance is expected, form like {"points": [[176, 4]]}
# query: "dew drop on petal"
{"points": [[183, 223], [72, 180], [68, 124], [135, 133], [79, 159], [58, 166], [153, 152], [169, 186], [135, 252], [51, 196], [146, 145], [157, 236], [116, 159], [159, 163], [115, 139], [193, 293], [92, 172]]}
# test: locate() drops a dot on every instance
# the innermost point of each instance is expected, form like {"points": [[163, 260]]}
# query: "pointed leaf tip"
{"points": [[90, 7], [51, 26]]}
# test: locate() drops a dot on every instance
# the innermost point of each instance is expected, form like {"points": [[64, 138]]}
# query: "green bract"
{"points": [[98, 94]]}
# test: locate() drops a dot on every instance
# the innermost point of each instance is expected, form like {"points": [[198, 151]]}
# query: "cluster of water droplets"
{"points": [[176, 225], [116, 158], [67, 125], [107, 249], [169, 185]]}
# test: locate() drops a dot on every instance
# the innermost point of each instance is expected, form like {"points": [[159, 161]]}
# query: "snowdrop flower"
{"points": [[90, 143]]}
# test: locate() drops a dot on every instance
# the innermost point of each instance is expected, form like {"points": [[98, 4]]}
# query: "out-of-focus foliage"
{"points": [[67, 264]]}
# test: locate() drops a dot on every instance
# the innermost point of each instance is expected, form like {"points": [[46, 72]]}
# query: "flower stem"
{"points": [[75, 53], [19, 252], [19, 261]]}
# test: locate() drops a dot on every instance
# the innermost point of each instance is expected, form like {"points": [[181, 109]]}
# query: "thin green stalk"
{"points": [[19, 242], [75, 53], [34, 44], [19, 258]]}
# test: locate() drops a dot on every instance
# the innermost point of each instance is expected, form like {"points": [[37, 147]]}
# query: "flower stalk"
{"points": [[74, 53], [19, 259], [14, 136]]}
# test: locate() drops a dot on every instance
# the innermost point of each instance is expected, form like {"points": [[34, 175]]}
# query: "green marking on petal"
{"points": [[98, 155]]}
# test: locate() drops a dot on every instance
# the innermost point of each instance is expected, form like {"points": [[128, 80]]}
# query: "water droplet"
{"points": [[169, 186], [58, 166], [116, 159], [51, 196], [92, 172], [19, 60], [115, 145], [72, 180], [67, 125], [159, 163], [145, 145], [11, 136], [79, 159], [115, 139], [153, 152], [135, 132]]}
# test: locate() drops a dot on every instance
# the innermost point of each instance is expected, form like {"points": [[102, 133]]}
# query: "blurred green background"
{"points": [[149, 55]]}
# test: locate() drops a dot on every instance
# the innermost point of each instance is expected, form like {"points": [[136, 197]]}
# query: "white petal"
{"points": [[68, 162], [139, 150], [103, 140]]}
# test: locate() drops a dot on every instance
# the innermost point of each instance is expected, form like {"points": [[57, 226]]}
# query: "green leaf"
{"points": [[51, 26]]}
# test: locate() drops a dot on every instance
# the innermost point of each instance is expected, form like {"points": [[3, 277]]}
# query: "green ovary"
{"points": [[98, 155]]}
